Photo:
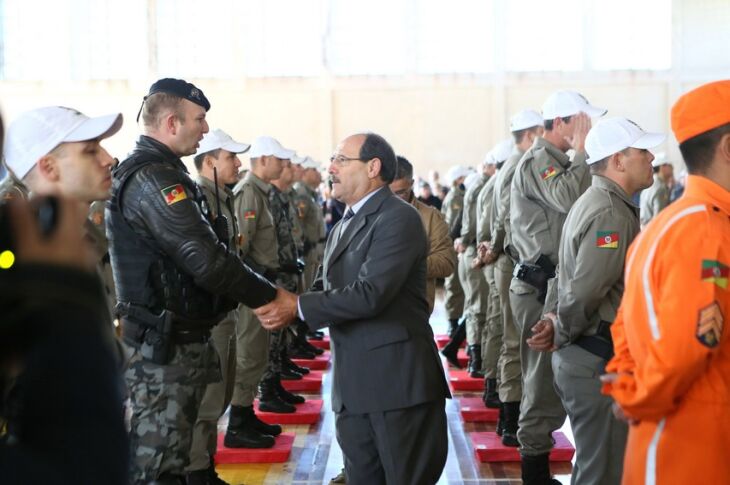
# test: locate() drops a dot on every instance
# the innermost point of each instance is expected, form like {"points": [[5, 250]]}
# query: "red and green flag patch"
{"points": [[607, 239], [249, 214], [715, 272], [548, 172], [173, 194]]}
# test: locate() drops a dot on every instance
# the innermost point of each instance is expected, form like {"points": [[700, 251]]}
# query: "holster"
{"points": [[147, 331], [600, 344], [536, 275]]}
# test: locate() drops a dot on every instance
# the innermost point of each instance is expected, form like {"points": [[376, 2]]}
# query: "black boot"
{"points": [[451, 349], [511, 412], [269, 400], [241, 432], [260, 426], [500, 422], [300, 340], [536, 470], [288, 374], [490, 398], [453, 325], [287, 363], [298, 351], [287, 396], [475, 361], [207, 476]]}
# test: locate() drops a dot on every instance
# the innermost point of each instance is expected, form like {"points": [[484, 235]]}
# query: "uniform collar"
{"points": [[257, 182], [210, 185], [607, 184], [560, 156], [705, 189]]}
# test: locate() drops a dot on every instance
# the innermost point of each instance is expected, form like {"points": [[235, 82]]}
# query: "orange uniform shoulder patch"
{"points": [[709, 325]]}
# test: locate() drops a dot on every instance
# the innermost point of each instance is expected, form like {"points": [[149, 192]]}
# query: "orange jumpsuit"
{"points": [[671, 352]]}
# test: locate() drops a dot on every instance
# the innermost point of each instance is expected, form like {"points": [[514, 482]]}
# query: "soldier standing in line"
{"points": [[545, 186], [654, 199]]}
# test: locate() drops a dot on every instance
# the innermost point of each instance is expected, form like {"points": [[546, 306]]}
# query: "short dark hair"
{"points": [[549, 123], [375, 146], [199, 158], [599, 167], [519, 135], [699, 151], [156, 104], [404, 169]]}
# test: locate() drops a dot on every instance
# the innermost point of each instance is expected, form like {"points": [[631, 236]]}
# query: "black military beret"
{"points": [[181, 88]]}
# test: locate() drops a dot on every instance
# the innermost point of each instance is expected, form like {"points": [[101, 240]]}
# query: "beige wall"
{"points": [[435, 121]]}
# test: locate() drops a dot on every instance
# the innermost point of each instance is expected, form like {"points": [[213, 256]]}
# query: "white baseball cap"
{"points": [[612, 135], [265, 146], [471, 179], [310, 163], [660, 159], [489, 159], [567, 103], [502, 150], [36, 133], [527, 118], [457, 171], [215, 139], [297, 160]]}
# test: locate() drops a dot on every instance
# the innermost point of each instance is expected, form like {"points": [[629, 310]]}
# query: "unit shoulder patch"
{"points": [[249, 214], [174, 193], [715, 272], [709, 325], [607, 239], [548, 172]]}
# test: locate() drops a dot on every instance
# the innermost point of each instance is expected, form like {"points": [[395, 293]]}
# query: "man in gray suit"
{"points": [[389, 385]]}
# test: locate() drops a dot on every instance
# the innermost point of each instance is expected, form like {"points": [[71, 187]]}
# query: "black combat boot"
{"points": [[490, 398], [511, 412], [500, 422], [451, 349], [287, 362], [453, 325], [260, 426], [300, 341], [287, 396], [269, 400], [241, 432], [475, 361], [536, 470]]}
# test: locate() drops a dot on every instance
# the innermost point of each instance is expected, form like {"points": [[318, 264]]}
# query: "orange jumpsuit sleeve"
{"points": [[673, 289]]}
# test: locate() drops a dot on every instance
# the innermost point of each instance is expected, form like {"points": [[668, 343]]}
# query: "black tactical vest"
{"points": [[143, 274]]}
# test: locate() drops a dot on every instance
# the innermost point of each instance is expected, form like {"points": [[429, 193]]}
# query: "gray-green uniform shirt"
{"points": [[207, 186], [469, 216], [596, 236], [501, 230], [485, 210], [310, 215], [653, 200], [258, 234], [544, 188], [453, 203]]}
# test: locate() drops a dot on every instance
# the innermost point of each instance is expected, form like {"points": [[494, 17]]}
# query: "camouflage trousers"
{"points": [[165, 401]]}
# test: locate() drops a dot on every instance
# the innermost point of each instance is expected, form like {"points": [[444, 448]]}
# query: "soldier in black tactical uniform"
{"points": [[175, 279]]}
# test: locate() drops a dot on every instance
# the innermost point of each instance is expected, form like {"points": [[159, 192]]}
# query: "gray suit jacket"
{"points": [[374, 301]]}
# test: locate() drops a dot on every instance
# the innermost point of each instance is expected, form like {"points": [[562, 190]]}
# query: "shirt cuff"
{"points": [[299, 311]]}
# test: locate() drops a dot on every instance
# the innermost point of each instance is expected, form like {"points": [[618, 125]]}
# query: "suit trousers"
{"points": [[492, 333], [252, 353], [454, 294], [600, 438], [397, 447], [510, 373], [541, 411], [217, 395], [476, 293]]}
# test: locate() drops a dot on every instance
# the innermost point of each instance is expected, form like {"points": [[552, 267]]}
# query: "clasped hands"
{"points": [[485, 255], [278, 313]]}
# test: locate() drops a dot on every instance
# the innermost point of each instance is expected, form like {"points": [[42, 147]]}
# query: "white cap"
{"points": [[660, 159], [297, 160], [470, 179], [612, 135], [502, 150], [567, 103], [310, 163], [527, 118], [215, 139], [265, 146], [489, 159], [457, 171], [36, 133]]}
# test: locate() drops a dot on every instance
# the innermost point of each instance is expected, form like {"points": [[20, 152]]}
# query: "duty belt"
{"points": [[134, 332]]}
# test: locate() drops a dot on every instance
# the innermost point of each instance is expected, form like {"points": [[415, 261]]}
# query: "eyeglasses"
{"points": [[341, 160]]}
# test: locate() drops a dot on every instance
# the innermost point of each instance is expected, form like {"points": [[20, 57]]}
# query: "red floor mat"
{"points": [[307, 413], [472, 410], [320, 362], [278, 454], [488, 447], [311, 382]]}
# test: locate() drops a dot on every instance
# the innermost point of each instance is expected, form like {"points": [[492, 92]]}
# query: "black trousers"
{"points": [[396, 447]]}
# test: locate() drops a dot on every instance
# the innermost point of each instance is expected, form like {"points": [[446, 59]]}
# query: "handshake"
{"points": [[280, 312]]}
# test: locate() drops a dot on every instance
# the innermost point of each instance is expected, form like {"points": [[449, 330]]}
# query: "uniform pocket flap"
{"points": [[387, 337]]}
